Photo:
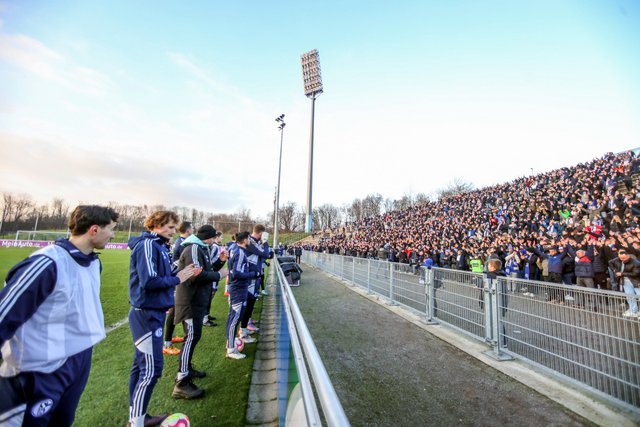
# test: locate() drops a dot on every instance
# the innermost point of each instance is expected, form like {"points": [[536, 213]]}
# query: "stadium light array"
{"points": [[312, 78], [311, 74]]}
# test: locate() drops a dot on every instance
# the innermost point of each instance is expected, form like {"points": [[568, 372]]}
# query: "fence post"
{"points": [[342, 267], [485, 291], [392, 302], [391, 281], [368, 276], [492, 293], [429, 283], [353, 275]]}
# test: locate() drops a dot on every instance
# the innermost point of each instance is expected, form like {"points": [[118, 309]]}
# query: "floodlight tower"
{"points": [[276, 219], [312, 89]]}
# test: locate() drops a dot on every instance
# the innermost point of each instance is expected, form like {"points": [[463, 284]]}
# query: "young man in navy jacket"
{"points": [[50, 319], [258, 252], [151, 292], [240, 277]]}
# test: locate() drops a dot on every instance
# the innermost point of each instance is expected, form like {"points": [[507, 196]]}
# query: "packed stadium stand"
{"points": [[591, 206]]}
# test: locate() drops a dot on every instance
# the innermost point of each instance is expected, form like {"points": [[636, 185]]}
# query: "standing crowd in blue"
{"points": [[578, 225]]}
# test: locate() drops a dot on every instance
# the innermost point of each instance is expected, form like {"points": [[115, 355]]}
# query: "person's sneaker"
{"points": [[235, 354], [568, 298], [252, 328], [265, 292], [209, 323], [185, 389], [248, 339], [170, 350], [154, 420], [194, 373], [177, 339]]}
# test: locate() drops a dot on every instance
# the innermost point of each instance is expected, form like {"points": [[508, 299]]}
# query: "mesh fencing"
{"points": [[574, 331]]}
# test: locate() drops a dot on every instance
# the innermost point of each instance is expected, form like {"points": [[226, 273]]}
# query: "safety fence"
{"points": [[577, 332], [296, 357]]}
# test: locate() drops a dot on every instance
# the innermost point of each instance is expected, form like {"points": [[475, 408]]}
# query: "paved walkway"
{"points": [[389, 371], [262, 409]]}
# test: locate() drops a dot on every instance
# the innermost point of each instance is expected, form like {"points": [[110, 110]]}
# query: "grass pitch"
{"points": [[105, 401]]}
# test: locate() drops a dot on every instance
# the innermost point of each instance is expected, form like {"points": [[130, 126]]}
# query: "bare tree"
{"points": [[327, 216], [7, 207], [388, 205], [404, 203], [287, 214], [371, 205], [197, 217], [300, 218], [356, 210], [457, 186], [22, 205], [60, 212], [421, 198]]}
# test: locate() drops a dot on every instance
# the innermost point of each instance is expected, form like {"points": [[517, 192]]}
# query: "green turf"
{"points": [[106, 398], [10, 256], [288, 238]]}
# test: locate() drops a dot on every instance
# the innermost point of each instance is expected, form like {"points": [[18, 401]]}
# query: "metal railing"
{"points": [[573, 331], [305, 355]]}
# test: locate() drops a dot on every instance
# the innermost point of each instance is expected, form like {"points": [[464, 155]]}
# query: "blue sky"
{"points": [[174, 102]]}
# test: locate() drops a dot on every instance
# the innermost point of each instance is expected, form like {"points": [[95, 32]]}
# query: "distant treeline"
{"points": [[21, 212]]}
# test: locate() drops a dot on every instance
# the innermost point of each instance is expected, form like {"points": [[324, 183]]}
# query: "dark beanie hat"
{"points": [[206, 232]]}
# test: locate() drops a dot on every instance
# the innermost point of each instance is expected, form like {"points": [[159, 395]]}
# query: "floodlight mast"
{"points": [[312, 78], [276, 219]]}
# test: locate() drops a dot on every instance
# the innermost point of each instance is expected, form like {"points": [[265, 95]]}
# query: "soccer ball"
{"points": [[239, 344], [176, 420]]}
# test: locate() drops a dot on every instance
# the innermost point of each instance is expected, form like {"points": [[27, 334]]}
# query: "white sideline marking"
{"points": [[116, 325]]}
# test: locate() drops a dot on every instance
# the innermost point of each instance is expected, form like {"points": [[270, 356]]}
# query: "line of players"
{"points": [[199, 268], [51, 315]]}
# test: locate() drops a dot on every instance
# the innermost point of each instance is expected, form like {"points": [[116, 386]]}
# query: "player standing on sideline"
{"points": [[151, 293], [215, 253], [258, 253], [185, 229], [239, 279], [192, 297], [50, 319], [230, 245]]}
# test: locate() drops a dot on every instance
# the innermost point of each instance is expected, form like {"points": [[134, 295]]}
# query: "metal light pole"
{"points": [[312, 89], [276, 220]]}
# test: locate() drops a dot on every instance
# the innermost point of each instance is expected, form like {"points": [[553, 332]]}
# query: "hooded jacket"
{"points": [[192, 296], [151, 280]]}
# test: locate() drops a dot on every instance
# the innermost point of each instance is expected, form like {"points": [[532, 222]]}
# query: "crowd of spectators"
{"points": [[588, 211]]}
